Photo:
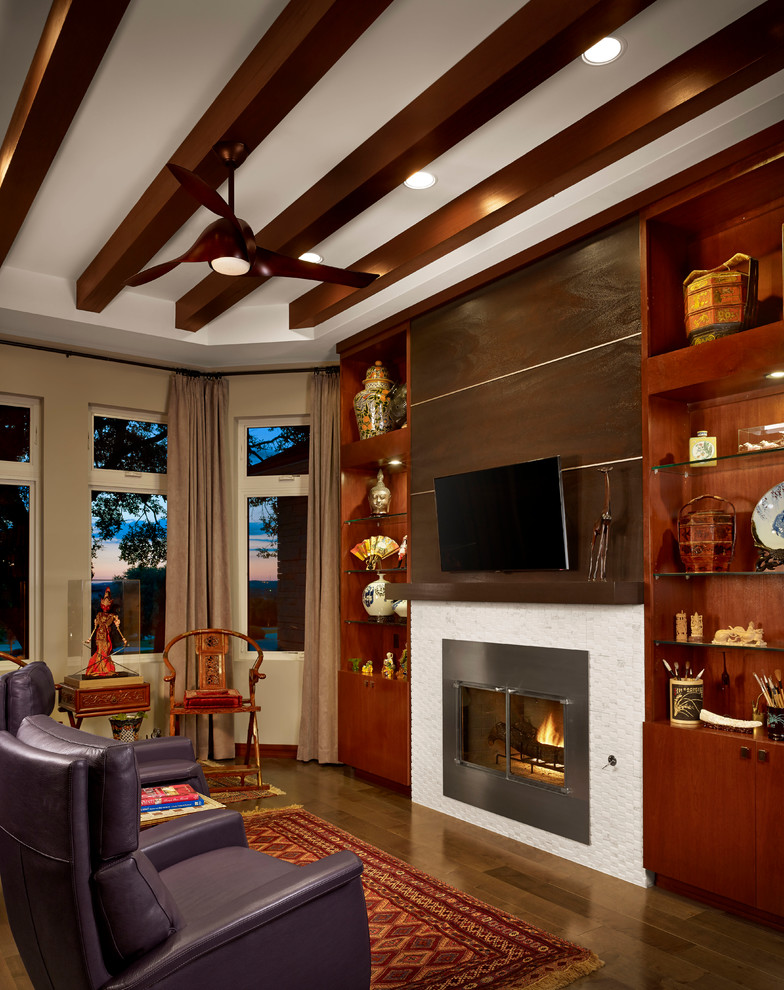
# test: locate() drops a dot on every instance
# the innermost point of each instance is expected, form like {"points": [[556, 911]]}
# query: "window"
{"points": [[128, 507], [273, 511], [19, 471]]}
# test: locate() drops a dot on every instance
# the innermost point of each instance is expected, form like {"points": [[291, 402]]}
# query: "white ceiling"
{"points": [[166, 63]]}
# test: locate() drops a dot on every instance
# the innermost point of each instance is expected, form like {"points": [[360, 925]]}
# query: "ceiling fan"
{"points": [[228, 244]]}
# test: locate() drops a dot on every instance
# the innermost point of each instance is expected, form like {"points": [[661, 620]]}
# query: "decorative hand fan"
{"points": [[374, 549]]}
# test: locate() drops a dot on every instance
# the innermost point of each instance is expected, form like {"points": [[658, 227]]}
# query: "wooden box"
{"points": [[118, 696]]}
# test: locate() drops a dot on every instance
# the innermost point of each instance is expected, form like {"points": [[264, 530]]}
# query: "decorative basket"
{"points": [[721, 301], [706, 538]]}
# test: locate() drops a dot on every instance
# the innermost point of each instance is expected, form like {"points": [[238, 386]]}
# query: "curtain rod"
{"points": [[162, 367]]}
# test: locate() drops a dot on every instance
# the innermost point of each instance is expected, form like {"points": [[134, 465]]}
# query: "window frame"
{"points": [[28, 473], [252, 487], [111, 480]]}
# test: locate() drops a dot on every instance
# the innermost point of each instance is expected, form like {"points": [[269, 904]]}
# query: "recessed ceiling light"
{"points": [[311, 256], [420, 180], [604, 51], [395, 462], [775, 374]]}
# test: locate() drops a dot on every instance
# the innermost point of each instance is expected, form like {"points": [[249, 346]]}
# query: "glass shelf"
{"points": [[699, 574], [375, 570], [378, 519], [379, 625], [725, 462], [720, 646]]}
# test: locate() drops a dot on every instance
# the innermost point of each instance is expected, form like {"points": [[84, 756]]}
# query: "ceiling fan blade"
{"points": [[201, 192], [270, 263], [218, 239], [212, 200], [141, 278]]}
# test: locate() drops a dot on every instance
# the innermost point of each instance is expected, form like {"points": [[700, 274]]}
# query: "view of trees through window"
{"points": [[15, 434], [129, 527], [14, 568], [277, 531], [15, 442]]}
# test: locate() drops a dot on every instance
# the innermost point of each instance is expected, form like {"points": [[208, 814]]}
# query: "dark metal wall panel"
{"points": [[546, 361], [584, 295]]}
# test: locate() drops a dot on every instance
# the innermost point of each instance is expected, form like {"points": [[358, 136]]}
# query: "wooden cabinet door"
{"points": [[770, 811], [374, 725], [699, 809]]}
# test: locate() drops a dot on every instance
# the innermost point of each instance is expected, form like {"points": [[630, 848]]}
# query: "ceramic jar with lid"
{"points": [[373, 405]]}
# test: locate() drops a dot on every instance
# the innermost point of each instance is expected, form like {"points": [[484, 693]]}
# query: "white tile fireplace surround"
{"points": [[613, 637]]}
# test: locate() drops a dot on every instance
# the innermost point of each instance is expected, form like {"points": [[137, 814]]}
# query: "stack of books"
{"points": [[170, 797]]}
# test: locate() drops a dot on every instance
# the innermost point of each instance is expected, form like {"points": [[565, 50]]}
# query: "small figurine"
{"points": [[402, 672], [738, 636], [680, 627], [367, 667], [695, 636], [379, 496], [388, 669], [101, 663], [402, 552]]}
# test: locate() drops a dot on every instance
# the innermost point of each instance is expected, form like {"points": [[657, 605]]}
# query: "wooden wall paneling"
{"points": [[586, 294], [585, 408]]}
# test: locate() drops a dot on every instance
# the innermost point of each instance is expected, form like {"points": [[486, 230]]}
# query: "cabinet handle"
{"points": [[745, 753], [762, 755]]}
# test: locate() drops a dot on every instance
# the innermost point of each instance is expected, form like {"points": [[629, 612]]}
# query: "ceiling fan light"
{"points": [[228, 265]]}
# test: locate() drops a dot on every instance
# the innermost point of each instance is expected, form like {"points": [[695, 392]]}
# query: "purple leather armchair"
{"points": [[30, 690], [185, 905]]}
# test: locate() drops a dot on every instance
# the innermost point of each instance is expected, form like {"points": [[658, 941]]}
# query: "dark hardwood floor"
{"points": [[648, 938]]}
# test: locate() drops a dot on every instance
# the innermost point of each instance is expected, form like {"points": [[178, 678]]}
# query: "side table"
{"points": [[113, 698]]}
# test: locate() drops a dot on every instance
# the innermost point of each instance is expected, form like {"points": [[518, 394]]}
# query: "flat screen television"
{"points": [[508, 518]]}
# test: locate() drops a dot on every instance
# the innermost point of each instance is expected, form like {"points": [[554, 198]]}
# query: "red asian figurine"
{"points": [[101, 663]]}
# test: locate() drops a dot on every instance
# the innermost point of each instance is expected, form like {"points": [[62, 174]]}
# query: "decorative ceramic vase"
{"points": [[401, 607], [126, 729], [373, 405], [375, 602]]}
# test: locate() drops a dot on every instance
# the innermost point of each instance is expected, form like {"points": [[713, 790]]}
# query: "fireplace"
{"points": [[516, 733]]}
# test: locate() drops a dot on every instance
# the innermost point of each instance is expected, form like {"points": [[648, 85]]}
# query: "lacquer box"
{"points": [[722, 301]]}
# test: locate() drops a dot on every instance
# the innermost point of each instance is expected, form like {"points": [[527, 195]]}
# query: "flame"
{"points": [[550, 734]]}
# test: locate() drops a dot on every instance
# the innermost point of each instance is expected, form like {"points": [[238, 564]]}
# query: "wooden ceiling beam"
{"points": [[304, 42], [72, 44], [534, 44], [738, 56]]}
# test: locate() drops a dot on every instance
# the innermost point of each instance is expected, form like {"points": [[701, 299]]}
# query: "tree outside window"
{"points": [[129, 526], [18, 477]]}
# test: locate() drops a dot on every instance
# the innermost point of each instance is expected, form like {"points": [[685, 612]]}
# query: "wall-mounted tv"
{"points": [[508, 518]]}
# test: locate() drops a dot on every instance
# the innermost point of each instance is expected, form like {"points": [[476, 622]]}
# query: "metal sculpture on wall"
{"points": [[597, 570]]}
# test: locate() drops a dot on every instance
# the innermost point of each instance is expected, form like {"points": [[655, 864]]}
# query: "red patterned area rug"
{"points": [[424, 934]]}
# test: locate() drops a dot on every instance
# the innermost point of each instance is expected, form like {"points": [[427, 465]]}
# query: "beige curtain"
{"points": [[197, 565], [318, 734]]}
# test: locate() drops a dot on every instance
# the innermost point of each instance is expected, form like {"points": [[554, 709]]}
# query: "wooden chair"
{"points": [[211, 696]]}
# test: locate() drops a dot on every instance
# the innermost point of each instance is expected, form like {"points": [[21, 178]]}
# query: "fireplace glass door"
{"points": [[514, 734]]}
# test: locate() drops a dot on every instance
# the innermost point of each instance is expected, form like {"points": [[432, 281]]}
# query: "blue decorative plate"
{"points": [[767, 519]]}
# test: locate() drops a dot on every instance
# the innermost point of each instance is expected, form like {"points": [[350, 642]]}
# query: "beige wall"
{"points": [[68, 387]]}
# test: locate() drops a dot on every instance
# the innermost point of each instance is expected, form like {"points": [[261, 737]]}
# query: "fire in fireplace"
{"points": [[516, 732]]}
